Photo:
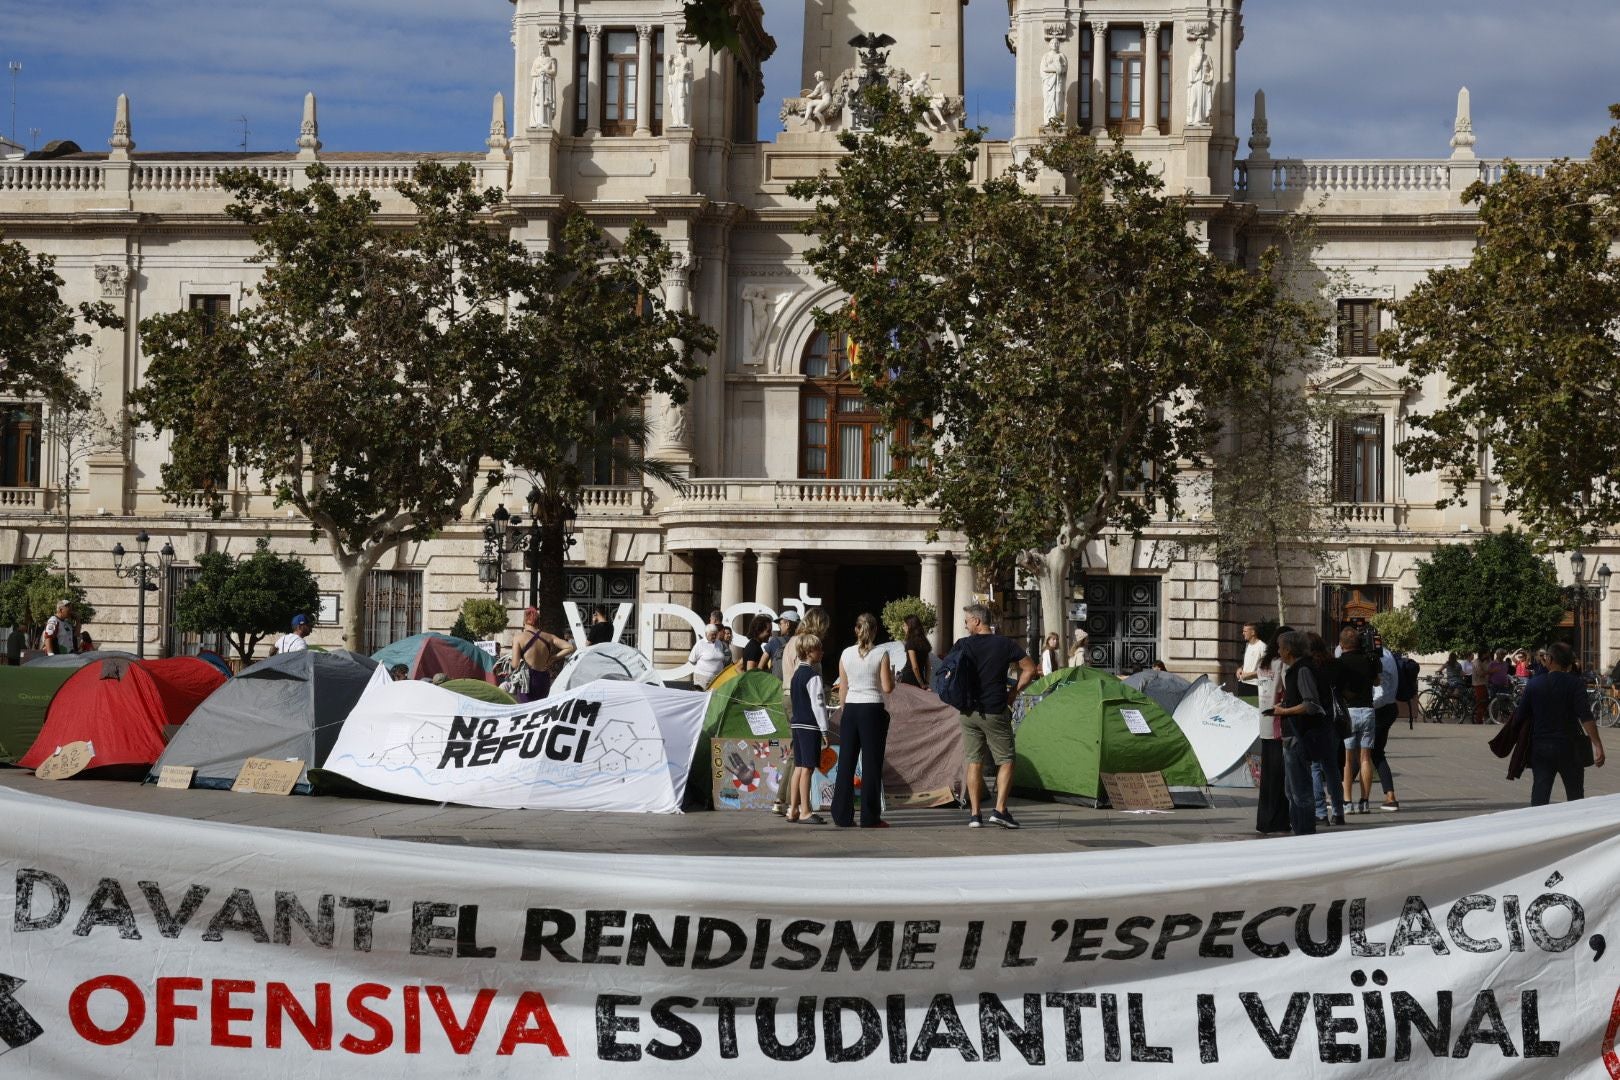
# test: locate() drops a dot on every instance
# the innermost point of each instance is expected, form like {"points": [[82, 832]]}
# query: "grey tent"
{"points": [[611, 660], [289, 706], [1165, 689], [79, 659]]}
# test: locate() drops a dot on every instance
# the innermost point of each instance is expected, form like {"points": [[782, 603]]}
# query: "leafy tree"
{"points": [[78, 428], [1049, 360], [1494, 592], [1527, 340], [382, 364], [1398, 628], [483, 618], [30, 598], [895, 612], [247, 600], [712, 23], [38, 332], [1269, 482]]}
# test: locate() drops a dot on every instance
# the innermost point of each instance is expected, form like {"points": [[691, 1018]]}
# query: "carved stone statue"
{"points": [[1054, 85], [1200, 88], [818, 104], [934, 114], [543, 79], [678, 91], [756, 321]]}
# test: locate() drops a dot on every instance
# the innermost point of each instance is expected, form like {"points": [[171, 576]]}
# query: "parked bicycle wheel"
{"points": [[1500, 709], [1606, 711], [1430, 704]]}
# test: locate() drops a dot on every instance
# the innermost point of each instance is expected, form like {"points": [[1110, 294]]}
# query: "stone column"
{"points": [[644, 79], [767, 587], [1227, 85], [593, 83], [929, 589], [1150, 80], [952, 620], [671, 440], [1099, 79], [731, 578]]}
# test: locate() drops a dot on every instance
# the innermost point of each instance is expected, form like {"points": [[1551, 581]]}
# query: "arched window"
{"points": [[841, 436]]}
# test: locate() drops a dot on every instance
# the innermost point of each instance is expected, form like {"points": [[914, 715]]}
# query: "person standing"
{"points": [[1307, 729], [808, 723], [1564, 738], [600, 632], [919, 654], [987, 735], [1326, 785], [708, 657], [1052, 654], [814, 624], [1385, 708], [1480, 676], [1077, 651], [1253, 650], [537, 650], [786, 624], [754, 657], [864, 676], [60, 637], [16, 642], [1271, 811], [294, 641], [1357, 674]]}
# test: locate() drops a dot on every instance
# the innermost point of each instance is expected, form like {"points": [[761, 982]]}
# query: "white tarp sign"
{"points": [[134, 945], [1222, 729], [603, 746]]}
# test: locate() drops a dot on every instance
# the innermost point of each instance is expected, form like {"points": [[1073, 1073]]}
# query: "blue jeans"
{"points": [[1300, 754]]}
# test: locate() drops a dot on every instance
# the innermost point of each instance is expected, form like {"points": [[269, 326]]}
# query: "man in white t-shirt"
{"points": [[708, 657], [1254, 650], [61, 636], [294, 642]]}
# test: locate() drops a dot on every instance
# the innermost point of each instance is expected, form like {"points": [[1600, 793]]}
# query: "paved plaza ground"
{"points": [[1442, 772]]}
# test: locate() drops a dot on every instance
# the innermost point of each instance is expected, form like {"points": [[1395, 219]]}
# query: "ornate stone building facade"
{"points": [[616, 112]]}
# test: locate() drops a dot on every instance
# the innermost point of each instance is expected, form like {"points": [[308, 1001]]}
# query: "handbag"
{"points": [[1341, 717]]}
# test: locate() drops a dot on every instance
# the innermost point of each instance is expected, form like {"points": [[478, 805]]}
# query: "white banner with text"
{"points": [[137, 945]]}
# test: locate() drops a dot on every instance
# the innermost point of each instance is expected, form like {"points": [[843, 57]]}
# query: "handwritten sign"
{"points": [[69, 760], [759, 721], [1135, 721], [176, 777], [266, 776], [1137, 791]]}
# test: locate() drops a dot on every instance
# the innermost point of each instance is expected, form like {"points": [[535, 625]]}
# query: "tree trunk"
{"points": [[1282, 600], [354, 570], [553, 572], [1054, 579]]}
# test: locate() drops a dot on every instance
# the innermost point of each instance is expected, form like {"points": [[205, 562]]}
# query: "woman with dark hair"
{"points": [[1271, 814], [1325, 773], [864, 676], [919, 654], [754, 657]]}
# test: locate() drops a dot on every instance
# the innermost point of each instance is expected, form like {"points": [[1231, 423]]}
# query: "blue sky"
{"points": [[1371, 78]]}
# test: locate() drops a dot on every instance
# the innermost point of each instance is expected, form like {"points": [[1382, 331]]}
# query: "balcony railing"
{"points": [[1391, 178], [1374, 516], [22, 498], [614, 501], [790, 493], [50, 176]]}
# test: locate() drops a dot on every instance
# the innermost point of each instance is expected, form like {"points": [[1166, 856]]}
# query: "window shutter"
{"points": [[1344, 461], [1376, 488]]}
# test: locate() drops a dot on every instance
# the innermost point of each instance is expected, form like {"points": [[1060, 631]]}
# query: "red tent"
{"points": [[123, 707]]}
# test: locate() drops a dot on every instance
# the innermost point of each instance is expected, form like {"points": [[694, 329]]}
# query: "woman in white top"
{"points": [[864, 677], [1052, 655], [1271, 814]]}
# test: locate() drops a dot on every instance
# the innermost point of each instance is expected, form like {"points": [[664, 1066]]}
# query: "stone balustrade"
{"points": [[614, 501], [22, 498], [198, 176], [49, 176], [786, 494], [1370, 517], [1298, 178]]}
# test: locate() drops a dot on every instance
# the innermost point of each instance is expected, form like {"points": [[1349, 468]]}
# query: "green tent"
{"points": [[25, 693], [1061, 677], [482, 691], [1078, 732], [727, 718]]}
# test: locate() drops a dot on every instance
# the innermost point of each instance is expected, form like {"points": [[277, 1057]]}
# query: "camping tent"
{"points": [[1164, 688], [479, 690], [727, 717], [922, 760], [427, 655], [123, 707], [24, 694], [1224, 731], [610, 660], [75, 661], [289, 706], [1081, 731]]}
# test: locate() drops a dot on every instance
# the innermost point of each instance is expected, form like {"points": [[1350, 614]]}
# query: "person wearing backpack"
{"points": [[1385, 695], [976, 686]]}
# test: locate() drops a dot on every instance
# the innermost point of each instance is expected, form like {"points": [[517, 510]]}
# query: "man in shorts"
{"points": [[987, 736]]}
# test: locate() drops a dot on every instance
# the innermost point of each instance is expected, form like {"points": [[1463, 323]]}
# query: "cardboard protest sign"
{"points": [[1137, 791], [178, 777], [69, 760], [267, 776]]}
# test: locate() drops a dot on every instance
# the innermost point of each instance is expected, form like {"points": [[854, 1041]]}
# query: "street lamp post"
{"points": [[145, 575], [1585, 594], [506, 533], [16, 69]]}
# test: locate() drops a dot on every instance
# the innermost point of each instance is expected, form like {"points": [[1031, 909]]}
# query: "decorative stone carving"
{"points": [[933, 115], [678, 91], [551, 34], [543, 89], [1200, 87], [824, 106], [309, 131], [820, 109], [497, 141], [1054, 85], [114, 278], [1259, 130], [1462, 132], [121, 142], [762, 312]]}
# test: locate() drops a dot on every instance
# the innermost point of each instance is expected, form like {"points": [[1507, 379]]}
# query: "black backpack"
{"points": [[1406, 686], [956, 680]]}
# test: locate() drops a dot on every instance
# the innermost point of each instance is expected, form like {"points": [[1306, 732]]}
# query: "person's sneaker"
{"points": [[1338, 819], [779, 809], [810, 819], [1391, 806], [975, 822], [1003, 818]]}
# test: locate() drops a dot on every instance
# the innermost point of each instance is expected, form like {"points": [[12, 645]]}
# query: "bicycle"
{"points": [[1605, 705], [1499, 709], [1442, 701]]}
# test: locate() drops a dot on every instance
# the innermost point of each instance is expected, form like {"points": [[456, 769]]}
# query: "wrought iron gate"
{"points": [[1122, 623], [605, 589]]}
